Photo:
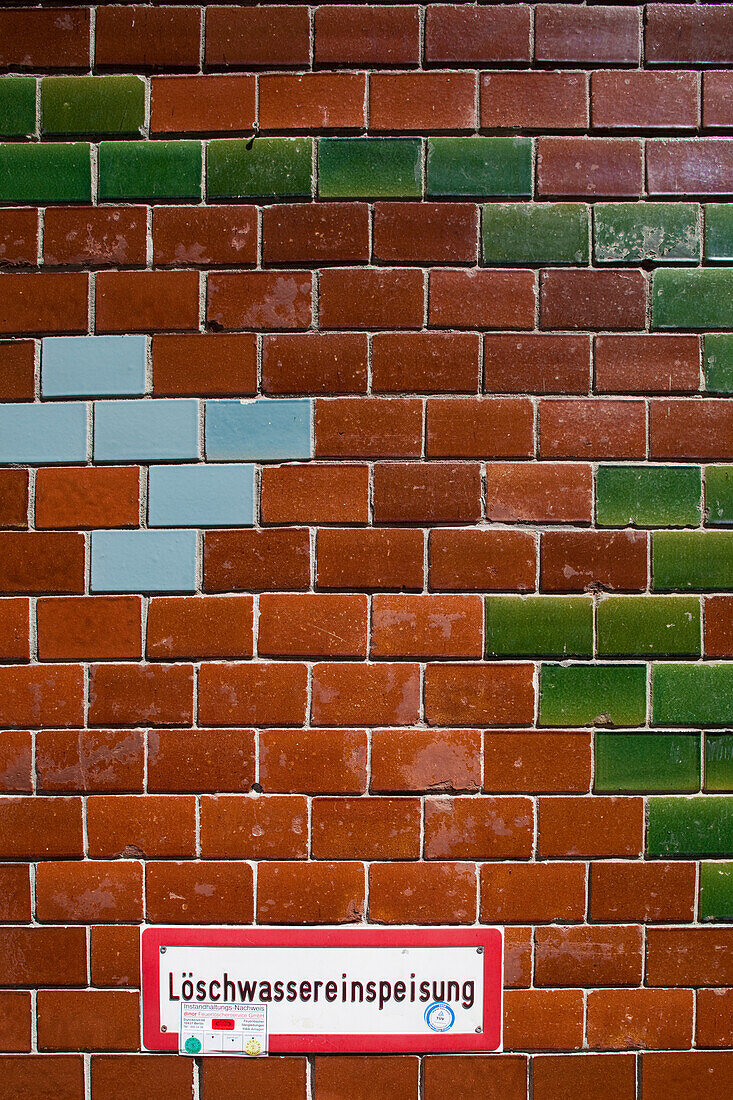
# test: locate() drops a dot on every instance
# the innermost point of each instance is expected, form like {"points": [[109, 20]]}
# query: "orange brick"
{"points": [[315, 233], [368, 427], [39, 303], [473, 1077], [44, 956], [157, 1077], [591, 827], [592, 428], [642, 891], [422, 893], [115, 955], [484, 561], [689, 956], [312, 626], [366, 828], [37, 827], [90, 760], [254, 561], [427, 625], [537, 762], [371, 298], [517, 958], [314, 362], [425, 362], [444, 492], [147, 301], [532, 892], [90, 1019], [263, 694], [197, 235], [199, 893], [312, 101], [85, 628], [31, 1075], [426, 760], [15, 629], [676, 1076], [88, 496], [629, 1019], [48, 695], [592, 1076], [17, 377], [361, 1078], [478, 828], [203, 626], [130, 695], [422, 101], [285, 1077], [310, 893], [425, 232], [321, 761], [714, 1019], [41, 561], [315, 494], [589, 956], [92, 236], [543, 1019], [141, 826], [351, 694], [482, 427], [370, 558], [15, 892], [89, 891], [208, 364], [539, 492], [201, 104], [275, 827], [481, 299], [269, 300], [201, 760], [488, 694], [16, 762], [15, 1022], [13, 497]]}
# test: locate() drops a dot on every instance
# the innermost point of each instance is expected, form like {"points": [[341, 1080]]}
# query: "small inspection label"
{"points": [[209, 1028]]}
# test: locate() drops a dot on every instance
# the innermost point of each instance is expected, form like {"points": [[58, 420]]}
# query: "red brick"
{"points": [[368, 427], [373, 558], [445, 492], [89, 236], [251, 38], [537, 762], [533, 100], [691, 429], [717, 99], [90, 760], [17, 372], [642, 891], [312, 101], [141, 826], [310, 893], [15, 1021], [18, 237], [55, 38], [427, 626], [89, 891], [31, 1075], [422, 893], [539, 492], [89, 628], [536, 363], [426, 760], [15, 629], [49, 695], [676, 1076], [591, 428], [39, 303], [283, 1077], [16, 762], [315, 233], [233, 827], [478, 828], [144, 301], [115, 955], [15, 892], [370, 298], [382, 36], [44, 956], [202, 104], [140, 37], [184, 235], [496, 1077], [425, 232], [579, 561], [199, 893], [689, 166], [713, 1018], [422, 101], [629, 1019], [262, 694], [478, 427], [543, 1019], [644, 100], [517, 958], [88, 496], [312, 626], [718, 626], [592, 299], [200, 760], [483, 561], [360, 1078], [425, 362], [689, 956], [158, 1077], [90, 1019], [590, 827], [681, 35], [479, 695], [351, 694], [36, 828], [206, 364], [589, 167], [592, 1076], [315, 494], [205, 626], [253, 561], [322, 362], [589, 956], [464, 34], [535, 892], [319, 761], [130, 695], [647, 364], [481, 299], [588, 36], [366, 828], [259, 300]]}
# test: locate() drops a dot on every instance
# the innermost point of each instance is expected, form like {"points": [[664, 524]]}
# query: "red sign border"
{"points": [[489, 938]]}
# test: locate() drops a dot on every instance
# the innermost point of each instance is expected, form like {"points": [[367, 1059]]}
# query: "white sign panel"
{"points": [[222, 1029]]}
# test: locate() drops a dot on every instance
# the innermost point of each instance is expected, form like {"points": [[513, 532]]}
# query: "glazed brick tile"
{"points": [[481, 299], [39, 828], [366, 828], [335, 232], [17, 106], [89, 628], [594, 828], [144, 301], [18, 237], [673, 36], [16, 754], [537, 892], [464, 35], [488, 1077], [422, 101], [370, 167], [208, 235], [160, 695], [543, 1019], [645, 100], [315, 494], [426, 625], [74, 497], [254, 828], [320, 761], [642, 892], [712, 1018], [538, 492], [590, 36], [554, 762], [589, 956], [378, 558], [466, 427], [32, 1074], [202, 104], [200, 760], [380, 36], [592, 299], [478, 828], [255, 561], [534, 626], [425, 232], [536, 363], [640, 1018], [45, 956], [312, 101], [573, 561], [207, 364], [373, 298], [160, 1076], [486, 694], [426, 760], [688, 956], [437, 493], [17, 370], [535, 233], [532, 100], [262, 37], [647, 364], [44, 303], [590, 1074], [717, 99], [354, 1077], [310, 893], [89, 891], [16, 892], [589, 167], [286, 1075], [44, 39], [138, 37], [94, 236], [90, 760], [474, 560], [690, 429], [262, 693], [425, 362], [351, 694], [13, 498], [691, 166], [591, 428], [315, 625], [593, 695], [314, 363], [42, 562], [479, 166], [88, 1019], [141, 826], [208, 626], [272, 167], [368, 427], [259, 299], [14, 629], [422, 893], [15, 1034], [195, 893]]}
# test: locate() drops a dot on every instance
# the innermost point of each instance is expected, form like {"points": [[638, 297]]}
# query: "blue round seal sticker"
{"points": [[439, 1016]]}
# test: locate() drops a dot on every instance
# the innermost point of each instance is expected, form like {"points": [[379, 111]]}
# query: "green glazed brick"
{"points": [[17, 106], [692, 299], [593, 695], [649, 626], [268, 168], [692, 560], [719, 762], [716, 891], [370, 168], [539, 626], [719, 231], [52, 172], [150, 170], [692, 695], [701, 826], [719, 495], [647, 762], [479, 166], [648, 496], [535, 233], [718, 357], [631, 232], [92, 104]]}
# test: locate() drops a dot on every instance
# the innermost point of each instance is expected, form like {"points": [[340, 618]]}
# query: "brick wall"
{"points": [[367, 508]]}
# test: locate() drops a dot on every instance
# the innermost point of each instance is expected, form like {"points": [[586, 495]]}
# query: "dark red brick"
{"points": [[140, 37], [589, 167], [463, 34], [378, 36], [533, 100], [257, 37], [592, 35], [592, 299]]}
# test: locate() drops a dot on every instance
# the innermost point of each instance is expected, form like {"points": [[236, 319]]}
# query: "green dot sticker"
{"points": [[192, 1045]]}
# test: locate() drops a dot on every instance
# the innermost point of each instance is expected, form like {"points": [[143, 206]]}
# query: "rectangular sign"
{"points": [[321, 989]]}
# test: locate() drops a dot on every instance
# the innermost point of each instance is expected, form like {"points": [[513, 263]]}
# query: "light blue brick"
{"points": [[201, 496], [144, 561], [88, 366], [45, 434], [258, 431], [146, 431]]}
